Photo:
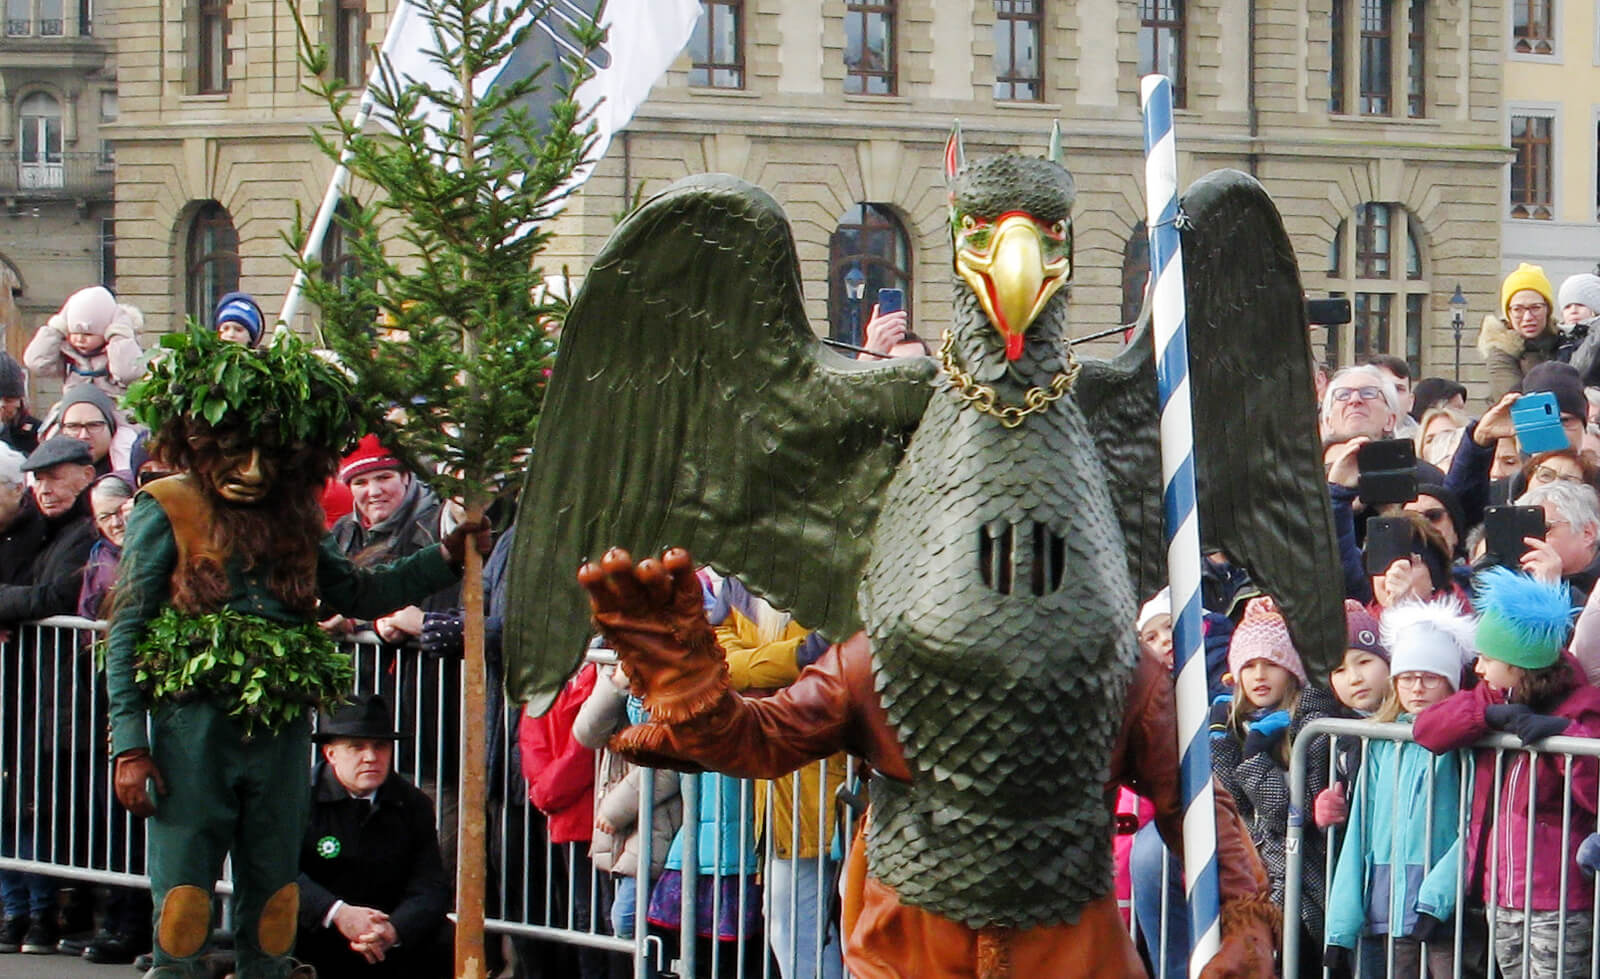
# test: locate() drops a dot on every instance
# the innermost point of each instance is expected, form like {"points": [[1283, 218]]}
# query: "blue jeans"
{"points": [[794, 883], [1148, 856], [25, 893]]}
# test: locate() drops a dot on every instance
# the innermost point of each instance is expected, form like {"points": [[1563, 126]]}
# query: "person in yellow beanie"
{"points": [[1524, 334]]}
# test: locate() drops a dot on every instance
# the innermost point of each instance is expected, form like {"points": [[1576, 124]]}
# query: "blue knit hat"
{"points": [[241, 308], [1522, 621]]}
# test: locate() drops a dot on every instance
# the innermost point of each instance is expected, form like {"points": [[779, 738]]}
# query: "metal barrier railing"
{"points": [[57, 816], [1353, 739]]}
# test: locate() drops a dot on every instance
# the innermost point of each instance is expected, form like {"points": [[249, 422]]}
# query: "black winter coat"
{"points": [[386, 858], [60, 547]]}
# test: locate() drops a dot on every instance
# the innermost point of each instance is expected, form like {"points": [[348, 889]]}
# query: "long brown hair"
{"points": [[281, 534]]}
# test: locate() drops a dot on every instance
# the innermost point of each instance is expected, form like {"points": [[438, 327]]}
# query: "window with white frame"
{"points": [[1377, 262], [1533, 27], [1532, 183], [39, 142]]}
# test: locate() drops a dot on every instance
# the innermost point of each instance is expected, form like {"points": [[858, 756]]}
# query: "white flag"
{"points": [[643, 37]]}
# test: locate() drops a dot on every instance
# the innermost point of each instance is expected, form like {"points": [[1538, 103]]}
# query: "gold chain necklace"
{"points": [[983, 398]]}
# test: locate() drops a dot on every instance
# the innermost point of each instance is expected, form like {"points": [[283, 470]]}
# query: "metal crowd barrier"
{"points": [[1352, 739], [57, 815]]}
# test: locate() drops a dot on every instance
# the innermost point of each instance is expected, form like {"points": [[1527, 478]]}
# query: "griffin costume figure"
{"points": [[214, 660], [975, 531]]}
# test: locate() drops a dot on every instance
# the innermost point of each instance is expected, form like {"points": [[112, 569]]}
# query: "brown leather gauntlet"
{"points": [[652, 614], [1250, 929]]}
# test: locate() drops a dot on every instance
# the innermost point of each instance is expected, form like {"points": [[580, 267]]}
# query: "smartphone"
{"points": [[1388, 540], [1388, 471], [1538, 422], [891, 300], [1504, 528]]}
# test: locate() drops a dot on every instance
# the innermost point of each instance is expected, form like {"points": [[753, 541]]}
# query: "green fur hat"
{"points": [[1522, 622]]}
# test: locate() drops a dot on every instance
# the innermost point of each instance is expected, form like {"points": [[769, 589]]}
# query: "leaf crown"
{"points": [[282, 391]]}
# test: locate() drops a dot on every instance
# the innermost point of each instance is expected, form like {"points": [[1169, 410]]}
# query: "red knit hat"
{"points": [[369, 456], [1264, 635]]}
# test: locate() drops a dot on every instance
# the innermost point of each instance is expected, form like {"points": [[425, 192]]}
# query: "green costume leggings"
{"points": [[226, 794]]}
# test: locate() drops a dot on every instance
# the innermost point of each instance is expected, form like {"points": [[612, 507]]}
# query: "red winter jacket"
{"points": [[559, 770], [1457, 722]]}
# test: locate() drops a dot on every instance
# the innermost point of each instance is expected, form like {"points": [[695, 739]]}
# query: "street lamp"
{"points": [[1458, 309], [855, 286]]}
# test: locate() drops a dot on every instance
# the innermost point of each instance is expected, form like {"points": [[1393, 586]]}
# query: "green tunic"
{"points": [[149, 556]]}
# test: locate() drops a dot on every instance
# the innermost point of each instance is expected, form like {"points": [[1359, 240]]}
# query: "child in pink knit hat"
{"points": [[1251, 737]]}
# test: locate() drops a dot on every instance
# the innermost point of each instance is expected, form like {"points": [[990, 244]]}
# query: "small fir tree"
{"points": [[444, 311]]}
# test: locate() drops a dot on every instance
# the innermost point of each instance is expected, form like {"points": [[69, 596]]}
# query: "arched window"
{"points": [[39, 142], [869, 251], [1135, 271], [1376, 261], [337, 260], [212, 260]]}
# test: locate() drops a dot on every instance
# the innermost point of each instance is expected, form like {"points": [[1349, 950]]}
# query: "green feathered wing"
{"points": [[692, 405], [1258, 461]]}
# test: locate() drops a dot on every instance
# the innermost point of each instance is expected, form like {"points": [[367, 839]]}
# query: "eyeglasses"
{"points": [[82, 428], [1427, 681], [111, 516], [1545, 474], [1536, 309], [1365, 394], [1434, 514]]}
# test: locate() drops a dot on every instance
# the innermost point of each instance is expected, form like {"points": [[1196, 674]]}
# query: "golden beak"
{"points": [[1011, 278]]}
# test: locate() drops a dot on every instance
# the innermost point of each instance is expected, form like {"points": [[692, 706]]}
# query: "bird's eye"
{"points": [[1059, 228], [967, 223]]}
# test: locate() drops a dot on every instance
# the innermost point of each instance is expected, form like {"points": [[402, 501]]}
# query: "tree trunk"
{"points": [[471, 865]]}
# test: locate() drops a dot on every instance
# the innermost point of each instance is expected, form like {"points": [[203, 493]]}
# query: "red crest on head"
{"points": [[955, 156]]}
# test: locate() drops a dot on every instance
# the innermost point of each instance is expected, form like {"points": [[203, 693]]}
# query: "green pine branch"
{"points": [[446, 314]]}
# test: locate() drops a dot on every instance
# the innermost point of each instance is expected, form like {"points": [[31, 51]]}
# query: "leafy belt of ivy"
{"points": [[263, 672]]}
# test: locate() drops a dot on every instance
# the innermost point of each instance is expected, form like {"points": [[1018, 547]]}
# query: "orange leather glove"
{"points": [[1250, 930], [652, 614], [134, 769]]}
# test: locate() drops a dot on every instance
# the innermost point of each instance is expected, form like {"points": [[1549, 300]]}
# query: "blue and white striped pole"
{"points": [[1183, 528]]}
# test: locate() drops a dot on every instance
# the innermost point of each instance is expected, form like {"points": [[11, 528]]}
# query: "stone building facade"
{"points": [[58, 81], [1386, 159]]}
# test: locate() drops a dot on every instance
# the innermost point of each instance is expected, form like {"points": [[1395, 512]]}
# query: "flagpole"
{"points": [[1169, 318], [340, 179]]}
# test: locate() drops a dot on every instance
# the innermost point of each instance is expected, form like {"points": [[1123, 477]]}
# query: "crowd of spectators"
{"points": [[1444, 635]]}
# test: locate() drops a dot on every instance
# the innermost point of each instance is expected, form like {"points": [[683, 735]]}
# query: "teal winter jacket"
{"points": [[1400, 854]]}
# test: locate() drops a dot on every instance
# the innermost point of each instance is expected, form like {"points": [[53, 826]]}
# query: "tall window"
{"points": [[1135, 271], [868, 251], [39, 143], [1532, 30], [1374, 64], [869, 58], [108, 254], [716, 48], [338, 263], [211, 33], [52, 18], [350, 41], [1377, 58], [1018, 68], [1161, 42], [1377, 262], [1532, 173], [212, 259], [19, 18]]}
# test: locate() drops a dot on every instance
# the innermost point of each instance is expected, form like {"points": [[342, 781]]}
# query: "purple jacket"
{"points": [[1457, 722]]}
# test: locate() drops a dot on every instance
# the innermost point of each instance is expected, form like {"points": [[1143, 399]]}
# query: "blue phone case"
{"points": [[891, 300], [1538, 423]]}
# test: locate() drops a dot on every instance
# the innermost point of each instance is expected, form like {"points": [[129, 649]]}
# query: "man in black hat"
{"points": [[18, 429], [58, 531], [373, 892]]}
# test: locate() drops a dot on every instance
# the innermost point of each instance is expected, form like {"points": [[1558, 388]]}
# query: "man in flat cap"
{"points": [[373, 892], [53, 534]]}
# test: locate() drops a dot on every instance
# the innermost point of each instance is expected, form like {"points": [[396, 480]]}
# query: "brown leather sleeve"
{"points": [[1146, 760], [831, 707]]}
